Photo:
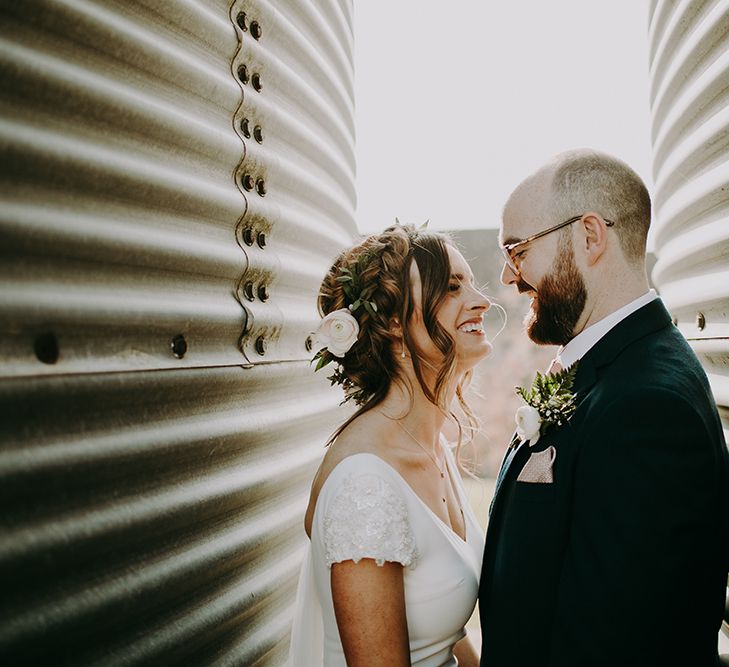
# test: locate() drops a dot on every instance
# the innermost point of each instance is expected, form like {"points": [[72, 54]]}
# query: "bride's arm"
{"points": [[466, 653], [369, 604]]}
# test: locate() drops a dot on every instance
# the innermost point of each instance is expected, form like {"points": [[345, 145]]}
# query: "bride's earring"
{"points": [[402, 354]]}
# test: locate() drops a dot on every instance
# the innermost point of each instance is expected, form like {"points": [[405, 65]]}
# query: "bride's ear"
{"points": [[396, 335]]}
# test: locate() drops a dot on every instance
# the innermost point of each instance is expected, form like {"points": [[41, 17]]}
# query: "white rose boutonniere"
{"points": [[549, 401], [337, 332], [528, 424]]}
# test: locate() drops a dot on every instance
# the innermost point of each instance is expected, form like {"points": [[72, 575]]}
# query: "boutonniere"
{"points": [[549, 401]]}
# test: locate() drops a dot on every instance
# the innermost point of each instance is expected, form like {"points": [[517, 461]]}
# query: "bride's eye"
{"points": [[454, 287]]}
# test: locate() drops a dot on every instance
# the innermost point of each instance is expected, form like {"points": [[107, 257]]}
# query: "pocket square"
{"points": [[538, 469]]}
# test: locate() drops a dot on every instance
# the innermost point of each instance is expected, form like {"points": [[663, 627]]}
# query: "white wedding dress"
{"points": [[365, 509]]}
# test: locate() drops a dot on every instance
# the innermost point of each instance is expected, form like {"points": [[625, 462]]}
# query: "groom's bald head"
{"points": [[587, 180]]}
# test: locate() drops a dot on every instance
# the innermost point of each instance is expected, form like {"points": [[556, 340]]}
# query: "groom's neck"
{"points": [[610, 293]]}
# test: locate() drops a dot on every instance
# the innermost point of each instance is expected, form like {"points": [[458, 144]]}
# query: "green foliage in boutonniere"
{"points": [[549, 401]]}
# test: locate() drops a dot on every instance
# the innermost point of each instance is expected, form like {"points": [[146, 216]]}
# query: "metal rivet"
{"points": [[263, 293], [261, 187], [178, 346], [258, 134], [243, 74], [45, 347], [261, 345], [241, 20], [256, 30], [248, 291], [249, 236], [248, 182], [701, 321], [245, 129], [262, 239], [308, 344], [256, 81]]}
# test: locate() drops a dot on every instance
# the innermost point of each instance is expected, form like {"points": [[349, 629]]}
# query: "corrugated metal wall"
{"points": [[176, 177], [689, 66], [689, 95]]}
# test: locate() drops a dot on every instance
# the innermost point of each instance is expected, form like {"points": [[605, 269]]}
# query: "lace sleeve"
{"points": [[368, 519]]}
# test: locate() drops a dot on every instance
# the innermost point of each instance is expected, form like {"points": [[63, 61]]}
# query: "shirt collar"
{"points": [[585, 340]]}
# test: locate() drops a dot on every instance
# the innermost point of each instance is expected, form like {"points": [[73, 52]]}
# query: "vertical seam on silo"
{"points": [[238, 20]]}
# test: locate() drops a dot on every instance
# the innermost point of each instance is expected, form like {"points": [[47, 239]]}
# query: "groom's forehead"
{"points": [[517, 223], [525, 211]]}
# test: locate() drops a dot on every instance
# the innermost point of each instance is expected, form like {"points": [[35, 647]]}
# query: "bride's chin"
{"points": [[488, 348], [467, 362]]}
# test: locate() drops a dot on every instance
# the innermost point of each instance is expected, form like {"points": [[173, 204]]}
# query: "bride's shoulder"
{"points": [[358, 453], [357, 464], [367, 434], [363, 443]]}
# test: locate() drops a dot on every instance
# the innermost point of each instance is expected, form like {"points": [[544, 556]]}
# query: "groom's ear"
{"points": [[594, 237]]}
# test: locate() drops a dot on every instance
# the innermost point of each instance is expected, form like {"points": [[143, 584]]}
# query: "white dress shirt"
{"points": [[586, 339]]}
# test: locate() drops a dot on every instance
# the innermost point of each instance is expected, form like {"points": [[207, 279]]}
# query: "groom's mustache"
{"points": [[523, 286]]}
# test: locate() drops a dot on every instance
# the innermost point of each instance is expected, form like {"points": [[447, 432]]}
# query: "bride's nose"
{"points": [[480, 302]]}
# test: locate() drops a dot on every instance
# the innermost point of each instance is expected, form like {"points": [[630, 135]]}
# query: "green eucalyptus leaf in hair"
{"points": [[324, 359], [349, 291]]}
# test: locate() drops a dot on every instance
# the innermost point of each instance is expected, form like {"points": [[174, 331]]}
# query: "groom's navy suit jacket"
{"points": [[622, 560]]}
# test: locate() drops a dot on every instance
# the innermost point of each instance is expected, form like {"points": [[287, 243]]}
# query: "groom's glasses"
{"points": [[512, 258]]}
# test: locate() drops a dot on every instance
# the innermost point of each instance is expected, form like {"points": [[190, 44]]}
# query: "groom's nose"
{"points": [[508, 277]]}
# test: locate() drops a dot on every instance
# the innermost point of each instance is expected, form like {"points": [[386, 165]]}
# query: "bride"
{"points": [[391, 572]]}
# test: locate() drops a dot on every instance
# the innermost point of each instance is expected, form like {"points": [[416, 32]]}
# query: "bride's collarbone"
{"points": [[436, 492]]}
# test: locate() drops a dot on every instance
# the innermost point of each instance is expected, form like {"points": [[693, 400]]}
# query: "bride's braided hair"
{"points": [[382, 263]]}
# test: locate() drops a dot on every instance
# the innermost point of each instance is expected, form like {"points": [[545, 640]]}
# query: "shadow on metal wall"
{"points": [[176, 179]]}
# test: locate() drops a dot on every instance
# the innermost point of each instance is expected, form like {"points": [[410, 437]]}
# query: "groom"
{"points": [[608, 541]]}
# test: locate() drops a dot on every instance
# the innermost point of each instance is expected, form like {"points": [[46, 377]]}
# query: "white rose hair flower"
{"points": [[338, 330], [337, 333]]}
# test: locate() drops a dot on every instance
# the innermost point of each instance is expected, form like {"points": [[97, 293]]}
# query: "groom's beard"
{"points": [[560, 300]]}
